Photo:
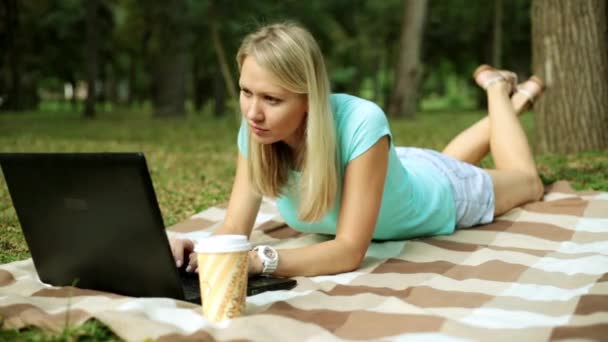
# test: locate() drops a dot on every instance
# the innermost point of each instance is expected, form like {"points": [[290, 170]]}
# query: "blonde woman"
{"points": [[330, 162]]}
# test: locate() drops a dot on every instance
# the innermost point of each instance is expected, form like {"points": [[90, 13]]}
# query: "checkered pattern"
{"points": [[539, 272]]}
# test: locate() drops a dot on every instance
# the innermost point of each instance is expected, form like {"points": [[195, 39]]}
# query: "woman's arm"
{"points": [[361, 198], [243, 205], [242, 210]]}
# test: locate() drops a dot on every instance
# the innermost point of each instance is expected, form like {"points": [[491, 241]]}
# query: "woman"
{"points": [[331, 163]]}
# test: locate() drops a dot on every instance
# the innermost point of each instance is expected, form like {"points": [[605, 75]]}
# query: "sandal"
{"points": [[531, 89], [485, 75]]}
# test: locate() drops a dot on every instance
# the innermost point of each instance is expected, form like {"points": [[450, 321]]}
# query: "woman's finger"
{"points": [[177, 248], [192, 263]]}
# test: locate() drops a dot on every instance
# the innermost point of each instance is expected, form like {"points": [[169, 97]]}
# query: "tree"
{"points": [[91, 57], [497, 38], [404, 94], [10, 14], [222, 60], [570, 53], [167, 39]]}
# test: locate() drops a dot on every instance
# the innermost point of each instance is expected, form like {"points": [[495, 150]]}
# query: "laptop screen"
{"points": [[92, 220]]}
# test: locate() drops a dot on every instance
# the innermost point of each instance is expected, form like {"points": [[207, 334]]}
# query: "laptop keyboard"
{"points": [[190, 285], [256, 285]]}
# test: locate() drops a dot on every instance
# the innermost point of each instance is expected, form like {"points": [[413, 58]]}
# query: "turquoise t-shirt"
{"points": [[417, 199]]}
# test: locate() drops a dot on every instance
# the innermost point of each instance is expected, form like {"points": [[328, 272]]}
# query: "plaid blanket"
{"points": [[539, 272]]}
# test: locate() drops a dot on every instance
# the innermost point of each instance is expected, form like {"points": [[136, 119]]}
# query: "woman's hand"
{"points": [[255, 264], [181, 249], [183, 252]]}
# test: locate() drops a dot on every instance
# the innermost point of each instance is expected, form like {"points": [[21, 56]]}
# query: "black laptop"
{"points": [[92, 220]]}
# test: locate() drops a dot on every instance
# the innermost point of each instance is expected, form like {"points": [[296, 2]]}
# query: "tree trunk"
{"points": [[390, 55], [72, 82], [197, 100], [219, 94], [169, 58], [91, 57], [170, 85], [378, 77], [109, 83], [202, 83], [221, 55], [497, 38], [3, 54], [405, 89], [570, 52], [131, 80], [13, 99]]}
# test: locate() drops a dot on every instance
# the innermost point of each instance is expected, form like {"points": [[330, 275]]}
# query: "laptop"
{"points": [[92, 220]]}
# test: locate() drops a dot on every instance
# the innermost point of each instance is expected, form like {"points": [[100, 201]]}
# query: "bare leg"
{"points": [[515, 179], [473, 144]]}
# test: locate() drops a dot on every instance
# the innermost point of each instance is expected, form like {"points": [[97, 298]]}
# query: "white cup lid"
{"points": [[222, 244]]}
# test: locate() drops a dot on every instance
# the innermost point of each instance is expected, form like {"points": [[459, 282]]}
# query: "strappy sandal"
{"points": [[531, 89], [485, 75]]}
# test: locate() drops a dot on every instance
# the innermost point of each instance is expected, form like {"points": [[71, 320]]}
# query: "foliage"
{"points": [[359, 38]]}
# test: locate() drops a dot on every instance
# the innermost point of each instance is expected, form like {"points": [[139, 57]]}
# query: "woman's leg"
{"points": [[473, 144], [515, 178]]}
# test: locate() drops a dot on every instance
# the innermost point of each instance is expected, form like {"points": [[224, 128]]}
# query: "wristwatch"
{"points": [[269, 258]]}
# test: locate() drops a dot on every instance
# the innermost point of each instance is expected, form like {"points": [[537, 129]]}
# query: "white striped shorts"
{"points": [[472, 186]]}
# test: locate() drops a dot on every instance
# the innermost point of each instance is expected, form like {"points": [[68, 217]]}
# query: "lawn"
{"points": [[191, 162]]}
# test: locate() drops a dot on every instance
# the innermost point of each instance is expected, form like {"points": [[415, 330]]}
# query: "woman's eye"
{"points": [[246, 92], [272, 100]]}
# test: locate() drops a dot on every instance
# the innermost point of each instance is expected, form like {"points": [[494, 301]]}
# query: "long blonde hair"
{"points": [[292, 55]]}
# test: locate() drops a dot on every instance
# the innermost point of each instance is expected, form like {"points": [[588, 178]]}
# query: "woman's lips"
{"points": [[258, 130]]}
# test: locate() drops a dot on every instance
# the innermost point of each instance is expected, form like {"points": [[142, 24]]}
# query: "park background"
{"points": [[161, 76]]}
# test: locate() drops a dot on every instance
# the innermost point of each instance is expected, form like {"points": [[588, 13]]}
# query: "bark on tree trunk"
{"points": [[570, 52], [91, 57], [405, 90]]}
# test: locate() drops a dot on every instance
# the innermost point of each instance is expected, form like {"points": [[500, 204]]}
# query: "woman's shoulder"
{"points": [[359, 124], [342, 101], [349, 108]]}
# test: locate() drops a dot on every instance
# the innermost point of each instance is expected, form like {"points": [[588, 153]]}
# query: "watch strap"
{"points": [[269, 263]]}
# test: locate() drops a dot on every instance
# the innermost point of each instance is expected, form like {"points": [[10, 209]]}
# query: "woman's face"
{"points": [[272, 112]]}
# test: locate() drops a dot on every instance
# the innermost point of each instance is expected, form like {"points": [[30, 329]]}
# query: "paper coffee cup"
{"points": [[222, 272]]}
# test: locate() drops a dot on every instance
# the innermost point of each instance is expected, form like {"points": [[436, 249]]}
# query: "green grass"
{"points": [[192, 164], [89, 331]]}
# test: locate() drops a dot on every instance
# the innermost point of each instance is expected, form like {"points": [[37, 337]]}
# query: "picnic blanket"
{"points": [[539, 272]]}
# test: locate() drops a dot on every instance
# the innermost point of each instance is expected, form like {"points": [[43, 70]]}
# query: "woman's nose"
{"points": [[254, 111]]}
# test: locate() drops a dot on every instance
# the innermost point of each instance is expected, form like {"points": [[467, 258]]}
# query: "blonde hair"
{"points": [[293, 56]]}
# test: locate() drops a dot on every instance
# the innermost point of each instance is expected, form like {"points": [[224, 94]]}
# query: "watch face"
{"points": [[269, 253]]}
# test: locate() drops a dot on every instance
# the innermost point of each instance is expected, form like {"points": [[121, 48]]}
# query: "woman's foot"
{"points": [[531, 89], [485, 75], [527, 93]]}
